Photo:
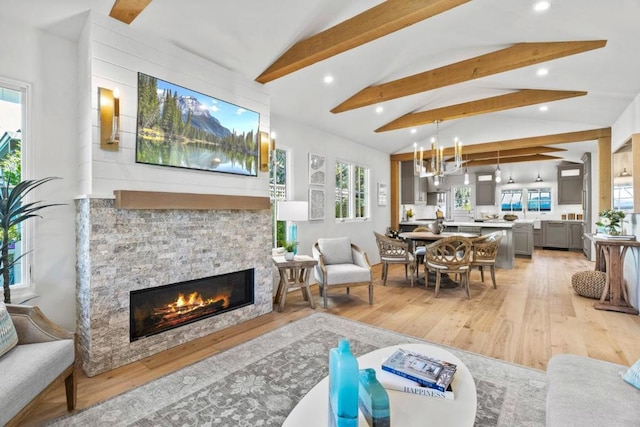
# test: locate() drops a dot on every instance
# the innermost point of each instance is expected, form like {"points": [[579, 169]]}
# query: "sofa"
{"points": [[587, 392], [43, 358]]}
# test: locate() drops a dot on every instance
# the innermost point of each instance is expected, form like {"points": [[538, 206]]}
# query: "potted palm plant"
{"points": [[13, 211]]}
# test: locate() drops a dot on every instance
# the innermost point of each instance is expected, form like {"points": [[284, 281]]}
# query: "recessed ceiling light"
{"points": [[414, 130], [379, 109], [542, 72], [328, 79], [541, 6], [543, 108]]}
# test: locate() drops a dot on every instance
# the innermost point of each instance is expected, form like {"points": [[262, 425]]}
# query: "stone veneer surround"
{"points": [[120, 250]]}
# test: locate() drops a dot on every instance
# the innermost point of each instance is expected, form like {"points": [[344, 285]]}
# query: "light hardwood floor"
{"points": [[532, 315]]}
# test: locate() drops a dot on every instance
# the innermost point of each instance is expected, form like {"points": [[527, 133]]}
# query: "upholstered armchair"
{"points": [[43, 358], [341, 264]]}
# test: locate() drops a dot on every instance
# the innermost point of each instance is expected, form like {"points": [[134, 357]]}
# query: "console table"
{"points": [[610, 253], [293, 273]]}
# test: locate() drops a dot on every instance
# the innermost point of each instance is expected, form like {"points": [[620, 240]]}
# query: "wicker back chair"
{"points": [[485, 251], [450, 255], [394, 251], [419, 248]]}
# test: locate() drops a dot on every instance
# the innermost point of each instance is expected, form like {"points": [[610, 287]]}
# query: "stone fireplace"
{"points": [[127, 248]]}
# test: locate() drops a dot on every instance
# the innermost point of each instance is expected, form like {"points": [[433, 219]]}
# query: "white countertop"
{"points": [[496, 224]]}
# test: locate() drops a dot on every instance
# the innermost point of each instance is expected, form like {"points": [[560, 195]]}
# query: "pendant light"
{"points": [[538, 179], [466, 174], [511, 181], [498, 172]]}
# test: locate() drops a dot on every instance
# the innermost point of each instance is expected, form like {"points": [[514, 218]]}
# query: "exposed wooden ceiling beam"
{"points": [[512, 144], [381, 20], [510, 58], [533, 158], [128, 10], [517, 99], [507, 153]]}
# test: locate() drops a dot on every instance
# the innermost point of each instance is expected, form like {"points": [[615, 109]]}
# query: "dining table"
{"points": [[427, 236]]}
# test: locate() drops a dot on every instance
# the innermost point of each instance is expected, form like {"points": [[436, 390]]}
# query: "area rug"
{"points": [[259, 382]]}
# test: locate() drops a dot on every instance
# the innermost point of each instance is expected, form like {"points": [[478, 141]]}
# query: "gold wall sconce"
{"points": [[267, 145], [109, 105]]}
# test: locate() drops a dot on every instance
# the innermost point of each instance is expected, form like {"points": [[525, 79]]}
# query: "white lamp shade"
{"points": [[292, 211]]}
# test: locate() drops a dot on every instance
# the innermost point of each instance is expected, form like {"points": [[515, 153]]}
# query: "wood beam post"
{"points": [[635, 168], [605, 182]]}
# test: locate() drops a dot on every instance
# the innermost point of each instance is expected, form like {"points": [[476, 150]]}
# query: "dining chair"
{"points": [[419, 249], [484, 253], [450, 255], [394, 251]]}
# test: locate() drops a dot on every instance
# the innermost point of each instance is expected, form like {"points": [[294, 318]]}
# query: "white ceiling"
{"points": [[248, 35]]}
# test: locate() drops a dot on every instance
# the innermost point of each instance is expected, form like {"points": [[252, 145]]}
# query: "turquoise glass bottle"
{"points": [[343, 386], [373, 399]]}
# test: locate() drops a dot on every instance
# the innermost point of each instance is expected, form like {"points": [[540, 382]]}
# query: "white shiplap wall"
{"points": [[116, 54]]}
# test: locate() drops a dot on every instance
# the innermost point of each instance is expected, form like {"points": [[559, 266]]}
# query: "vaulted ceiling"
{"points": [[400, 65]]}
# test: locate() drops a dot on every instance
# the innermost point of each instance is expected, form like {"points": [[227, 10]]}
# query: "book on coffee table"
{"points": [[396, 382], [427, 371]]}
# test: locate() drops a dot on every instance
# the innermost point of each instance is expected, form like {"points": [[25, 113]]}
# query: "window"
{"points": [[539, 199], [352, 191], [278, 191], [12, 118], [623, 197], [511, 200], [462, 198]]}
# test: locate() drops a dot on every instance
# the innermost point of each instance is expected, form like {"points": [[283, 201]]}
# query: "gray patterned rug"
{"points": [[259, 382]]}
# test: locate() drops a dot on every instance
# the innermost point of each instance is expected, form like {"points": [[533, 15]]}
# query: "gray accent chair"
{"points": [[43, 359], [589, 392], [341, 264]]}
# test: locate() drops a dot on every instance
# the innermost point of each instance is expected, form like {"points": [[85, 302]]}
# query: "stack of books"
{"points": [[417, 374]]}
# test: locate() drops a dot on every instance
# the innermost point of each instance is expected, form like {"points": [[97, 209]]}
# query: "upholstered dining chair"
{"points": [[394, 251], [419, 249], [484, 253], [341, 264], [450, 255]]}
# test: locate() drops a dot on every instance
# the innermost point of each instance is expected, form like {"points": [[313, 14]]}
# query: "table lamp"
{"points": [[291, 211]]}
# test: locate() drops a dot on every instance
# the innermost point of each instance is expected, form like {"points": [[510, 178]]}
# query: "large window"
{"points": [[278, 191], [462, 198], [12, 108], [352, 191], [539, 199], [511, 200], [623, 197]]}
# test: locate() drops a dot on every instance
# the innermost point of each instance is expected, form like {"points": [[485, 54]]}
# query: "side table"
{"points": [[294, 273]]}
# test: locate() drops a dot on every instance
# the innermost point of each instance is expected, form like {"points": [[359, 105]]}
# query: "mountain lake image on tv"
{"points": [[182, 128]]}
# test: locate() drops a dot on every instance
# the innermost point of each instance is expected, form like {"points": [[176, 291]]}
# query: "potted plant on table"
{"points": [[290, 250], [611, 221]]}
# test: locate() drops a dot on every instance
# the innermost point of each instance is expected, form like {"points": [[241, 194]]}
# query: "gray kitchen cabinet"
{"points": [[537, 237], [412, 187], [555, 234], [523, 239], [570, 184], [485, 189], [576, 235]]}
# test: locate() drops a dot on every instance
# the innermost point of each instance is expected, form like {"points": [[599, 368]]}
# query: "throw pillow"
{"points": [[8, 334], [632, 375], [336, 250]]}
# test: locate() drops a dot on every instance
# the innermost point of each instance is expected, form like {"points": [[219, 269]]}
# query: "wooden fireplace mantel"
{"points": [[129, 199]]}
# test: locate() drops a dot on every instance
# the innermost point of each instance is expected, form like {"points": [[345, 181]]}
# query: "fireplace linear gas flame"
{"points": [[184, 308]]}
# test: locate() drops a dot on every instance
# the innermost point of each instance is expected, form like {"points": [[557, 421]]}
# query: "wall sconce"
{"points": [[265, 149], [109, 105]]}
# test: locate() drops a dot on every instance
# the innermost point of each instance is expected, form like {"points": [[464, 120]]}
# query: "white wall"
{"points": [[302, 140], [49, 64]]}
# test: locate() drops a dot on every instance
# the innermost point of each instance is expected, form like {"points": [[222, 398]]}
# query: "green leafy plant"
{"points": [[611, 220], [290, 246], [13, 211]]}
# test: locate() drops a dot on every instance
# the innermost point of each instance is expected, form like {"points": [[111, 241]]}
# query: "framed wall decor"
{"points": [[182, 128], [316, 204], [317, 169], [382, 194]]}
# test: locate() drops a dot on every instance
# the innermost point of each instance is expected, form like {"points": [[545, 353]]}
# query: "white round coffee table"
{"points": [[407, 410]]}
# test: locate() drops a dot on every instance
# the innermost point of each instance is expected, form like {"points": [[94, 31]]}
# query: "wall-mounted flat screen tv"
{"points": [[182, 128]]}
